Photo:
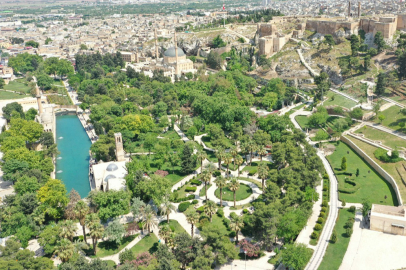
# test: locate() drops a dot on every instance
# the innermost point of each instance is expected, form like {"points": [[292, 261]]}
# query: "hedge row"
{"points": [[348, 190]]}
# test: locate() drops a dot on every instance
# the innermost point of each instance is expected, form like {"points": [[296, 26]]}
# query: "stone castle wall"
{"points": [[330, 27], [376, 167]]}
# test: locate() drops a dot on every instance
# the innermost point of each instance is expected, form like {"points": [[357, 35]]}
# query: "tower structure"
{"points": [[176, 55], [39, 100], [359, 9], [349, 9], [119, 147], [156, 46]]}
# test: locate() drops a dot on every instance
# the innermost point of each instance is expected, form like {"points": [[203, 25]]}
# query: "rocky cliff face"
{"points": [[335, 75]]}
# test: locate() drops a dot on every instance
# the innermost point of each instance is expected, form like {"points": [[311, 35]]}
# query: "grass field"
{"points": [[372, 186], [388, 167], [386, 138], [242, 193], [203, 191], [392, 117], [339, 100], [173, 224], [207, 142], [106, 248], [302, 121], [19, 86], [335, 252], [147, 244], [111, 264], [218, 221], [10, 95]]}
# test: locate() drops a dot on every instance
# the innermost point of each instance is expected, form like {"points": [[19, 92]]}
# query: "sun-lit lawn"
{"points": [[173, 135], [208, 143], [335, 251], [111, 263], [339, 100], [203, 191], [218, 221], [147, 244], [177, 228], [302, 120], [242, 193], [386, 138], [10, 95], [371, 185], [19, 86], [107, 248], [392, 117], [388, 167]]}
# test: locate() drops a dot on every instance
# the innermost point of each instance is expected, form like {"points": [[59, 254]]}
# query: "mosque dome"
{"points": [[110, 176], [112, 167], [171, 52]]}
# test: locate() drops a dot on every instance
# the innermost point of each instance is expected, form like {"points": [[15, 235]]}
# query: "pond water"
{"points": [[72, 164]]}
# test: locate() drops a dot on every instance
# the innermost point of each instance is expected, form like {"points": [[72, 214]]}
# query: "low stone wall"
{"points": [[376, 167]]}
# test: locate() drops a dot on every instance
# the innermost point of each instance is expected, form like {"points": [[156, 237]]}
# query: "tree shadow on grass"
{"points": [[153, 249]]}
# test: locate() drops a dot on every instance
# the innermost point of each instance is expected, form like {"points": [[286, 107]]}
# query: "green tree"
{"points": [[114, 232], [218, 42], [323, 84], [201, 156], [64, 67], [354, 44], [2, 83], [236, 224], [214, 60], [192, 218], [81, 210], [381, 84], [296, 256], [221, 183], [96, 229], [381, 117], [366, 206], [344, 164], [53, 198], [205, 177], [234, 185], [367, 63], [10, 108], [149, 217], [269, 100], [167, 207], [379, 41], [263, 172], [64, 250], [67, 229], [188, 160], [32, 43], [210, 208]]}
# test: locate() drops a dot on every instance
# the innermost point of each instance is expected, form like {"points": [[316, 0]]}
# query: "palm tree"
{"points": [[234, 185], [239, 160], [149, 217], [167, 207], [64, 250], [205, 177], [262, 151], [165, 232], [201, 156], [211, 167], [80, 246], [67, 229], [234, 153], [227, 161], [221, 183], [263, 172], [210, 209], [192, 218], [237, 223], [251, 147], [219, 155], [96, 232], [81, 210]]}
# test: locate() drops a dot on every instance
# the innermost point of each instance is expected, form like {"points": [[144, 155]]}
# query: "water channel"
{"points": [[72, 164]]}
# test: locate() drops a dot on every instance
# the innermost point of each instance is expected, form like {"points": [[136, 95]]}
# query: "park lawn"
{"points": [[386, 138], [335, 251], [295, 109], [339, 100], [106, 248], [254, 165], [388, 167], [172, 134], [58, 83], [111, 264], [371, 185], [202, 192], [392, 117], [258, 183], [174, 178], [211, 156], [218, 221], [207, 142], [242, 193], [173, 224], [302, 120], [60, 100], [183, 193], [10, 95], [147, 244], [18, 86]]}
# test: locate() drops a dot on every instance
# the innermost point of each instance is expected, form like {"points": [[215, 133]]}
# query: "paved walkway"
{"points": [[344, 95], [394, 102], [312, 72], [115, 257]]}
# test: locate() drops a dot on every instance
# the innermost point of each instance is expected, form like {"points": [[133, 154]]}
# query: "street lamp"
{"points": [[245, 252]]}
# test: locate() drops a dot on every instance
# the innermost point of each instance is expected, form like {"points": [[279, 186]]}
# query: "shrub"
{"points": [[233, 215], [325, 176], [342, 203], [324, 203], [195, 201], [325, 188], [352, 209], [322, 215], [252, 172], [382, 155], [320, 220], [190, 189], [245, 211], [195, 182], [204, 221], [276, 250], [172, 228], [220, 212], [200, 209], [333, 238], [314, 235], [216, 173], [232, 234], [318, 227], [226, 222], [183, 206], [348, 232], [324, 209]]}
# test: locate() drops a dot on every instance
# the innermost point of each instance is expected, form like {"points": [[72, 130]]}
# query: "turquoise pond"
{"points": [[72, 164]]}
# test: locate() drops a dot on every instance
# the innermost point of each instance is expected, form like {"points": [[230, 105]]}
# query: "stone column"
{"points": [[359, 9], [156, 46], [176, 56], [39, 101], [349, 9]]}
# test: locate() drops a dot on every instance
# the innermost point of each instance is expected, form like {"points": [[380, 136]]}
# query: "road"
{"points": [[321, 247]]}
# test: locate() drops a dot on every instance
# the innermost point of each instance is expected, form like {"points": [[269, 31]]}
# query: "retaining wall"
{"points": [[376, 167]]}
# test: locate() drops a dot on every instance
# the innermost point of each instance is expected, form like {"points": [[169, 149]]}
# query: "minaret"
{"points": [[349, 9], [119, 147], [176, 55], [39, 101], [156, 46]]}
